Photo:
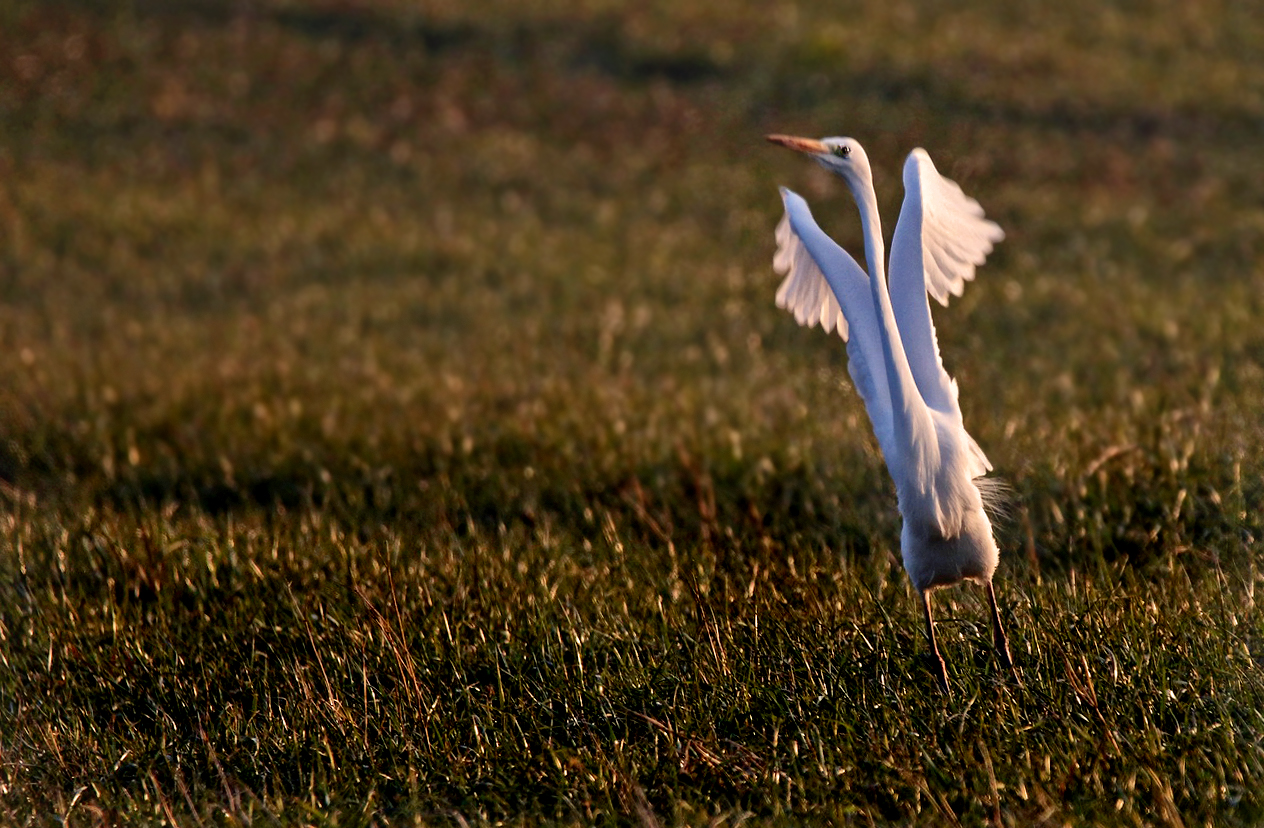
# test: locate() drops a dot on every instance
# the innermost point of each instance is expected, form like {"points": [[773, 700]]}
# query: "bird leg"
{"points": [[999, 639], [934, 647]]}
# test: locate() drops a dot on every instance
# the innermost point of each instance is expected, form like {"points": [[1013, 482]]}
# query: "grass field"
{"points": [[396, 425]]}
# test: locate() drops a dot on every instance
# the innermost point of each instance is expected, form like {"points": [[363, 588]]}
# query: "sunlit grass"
{"points": [[395, 423]]}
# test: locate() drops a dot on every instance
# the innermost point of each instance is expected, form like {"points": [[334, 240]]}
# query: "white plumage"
{"points": [[893, 355]]}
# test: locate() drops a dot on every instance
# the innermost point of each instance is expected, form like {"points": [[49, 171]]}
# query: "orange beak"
{"points": [[808, 145]]}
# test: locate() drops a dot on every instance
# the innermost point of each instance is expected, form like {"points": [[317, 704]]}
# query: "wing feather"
{"points": [[804, 292], [954, 230]]}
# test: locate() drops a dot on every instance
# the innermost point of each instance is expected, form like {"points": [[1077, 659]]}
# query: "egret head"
{"points": [[842, 156]]}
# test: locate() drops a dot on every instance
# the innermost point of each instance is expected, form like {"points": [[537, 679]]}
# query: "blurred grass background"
{"points": [[395, 423]]}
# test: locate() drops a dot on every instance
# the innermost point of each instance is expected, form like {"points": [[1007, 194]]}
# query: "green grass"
{"points": [[396, 426]]}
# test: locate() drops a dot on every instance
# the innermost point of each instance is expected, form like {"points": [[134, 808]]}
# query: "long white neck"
{"points": [[907, 406]]}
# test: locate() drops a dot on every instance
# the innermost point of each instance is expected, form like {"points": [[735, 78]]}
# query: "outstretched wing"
{"points": [[941, 237], [824, 284]]}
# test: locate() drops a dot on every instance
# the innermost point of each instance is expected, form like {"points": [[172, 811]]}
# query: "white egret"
{"points": [[893, 355]]}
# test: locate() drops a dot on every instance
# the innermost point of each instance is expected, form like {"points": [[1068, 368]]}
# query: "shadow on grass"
{"points": [[599, 44], [527, 493], [510, 484], [802, 80]]}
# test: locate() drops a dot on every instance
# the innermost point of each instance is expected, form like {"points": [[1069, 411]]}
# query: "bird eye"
{"points": [[842, 150]]}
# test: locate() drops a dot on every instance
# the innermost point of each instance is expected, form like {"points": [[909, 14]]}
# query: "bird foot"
{"points": [[1002, 652], [941, 672]]}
